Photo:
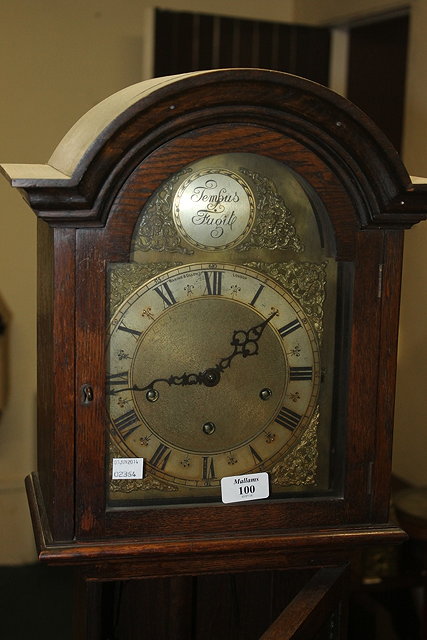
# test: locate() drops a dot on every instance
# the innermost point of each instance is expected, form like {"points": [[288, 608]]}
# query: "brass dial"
{"points": [[213, 371]]}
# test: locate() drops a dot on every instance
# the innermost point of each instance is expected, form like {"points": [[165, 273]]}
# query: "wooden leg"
{"points": [[319, 604]]}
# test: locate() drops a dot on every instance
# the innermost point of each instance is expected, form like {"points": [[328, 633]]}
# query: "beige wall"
{"points": [[410, 444], [332, 12], [280, 11], [59, 58]]}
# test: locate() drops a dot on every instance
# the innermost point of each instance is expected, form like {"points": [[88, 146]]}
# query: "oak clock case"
{"points": [[220, 337], [210, 341]]}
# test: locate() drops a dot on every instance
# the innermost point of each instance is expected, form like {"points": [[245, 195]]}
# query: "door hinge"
{"points": [[369, 479], [380, 280]]}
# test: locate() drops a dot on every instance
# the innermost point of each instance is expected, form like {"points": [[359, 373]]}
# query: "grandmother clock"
{"points": [[219, 272]]}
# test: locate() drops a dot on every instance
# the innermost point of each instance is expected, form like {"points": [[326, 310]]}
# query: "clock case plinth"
{"points": [[166, 123]]}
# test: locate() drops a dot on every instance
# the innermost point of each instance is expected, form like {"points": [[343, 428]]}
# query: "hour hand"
{"points": [[245, 343], [209, 378]]}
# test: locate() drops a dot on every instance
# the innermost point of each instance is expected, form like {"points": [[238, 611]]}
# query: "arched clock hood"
{"points": [[101, 149]]}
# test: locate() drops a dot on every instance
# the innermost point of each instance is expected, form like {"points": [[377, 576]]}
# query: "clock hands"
{"points": [[245, 344]]}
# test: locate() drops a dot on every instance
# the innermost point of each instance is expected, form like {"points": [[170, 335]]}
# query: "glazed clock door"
{"points": [[206, 377], [220, 337]]}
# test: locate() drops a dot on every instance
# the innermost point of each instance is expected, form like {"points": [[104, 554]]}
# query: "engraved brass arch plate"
{"points": [[214, 209]]}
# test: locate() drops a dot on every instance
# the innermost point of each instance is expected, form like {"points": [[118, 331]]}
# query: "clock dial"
{"points": [[213, 371]]}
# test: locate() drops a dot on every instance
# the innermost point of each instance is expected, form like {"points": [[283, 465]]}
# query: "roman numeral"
{"points": [[127, 423], [166, 294], [288, 418], [213, 282], [301, 373], [257, 458], [160, 457], [134, 332], [288, 328], [257, 294], [116, 380], [208, 470]]}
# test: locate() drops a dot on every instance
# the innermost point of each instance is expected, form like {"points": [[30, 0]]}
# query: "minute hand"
{"points": [[245, 344]]}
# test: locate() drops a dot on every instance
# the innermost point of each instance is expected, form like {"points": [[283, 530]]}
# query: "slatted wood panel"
{"points": [[301, 605], [190, 42]]}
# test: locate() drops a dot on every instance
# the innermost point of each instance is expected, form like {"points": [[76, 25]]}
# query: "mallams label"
{"points": [[254, 486]]}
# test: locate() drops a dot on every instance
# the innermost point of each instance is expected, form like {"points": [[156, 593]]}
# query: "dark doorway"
{"points": [[377, 73]]}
